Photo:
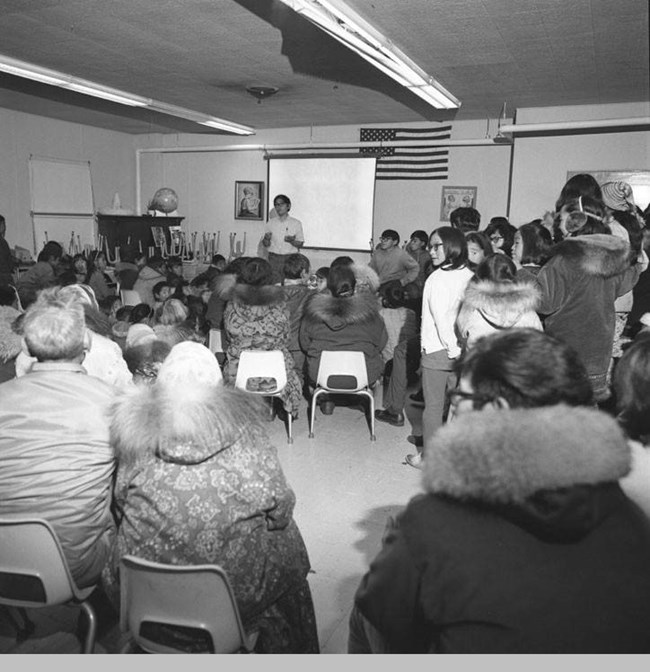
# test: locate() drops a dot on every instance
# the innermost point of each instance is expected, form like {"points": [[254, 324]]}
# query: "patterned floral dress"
{"points": [[258, 319], [224, 501]]}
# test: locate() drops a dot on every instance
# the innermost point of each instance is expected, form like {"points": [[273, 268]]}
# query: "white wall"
{"points": [[111, 156], [540, 164], [205, 182]]}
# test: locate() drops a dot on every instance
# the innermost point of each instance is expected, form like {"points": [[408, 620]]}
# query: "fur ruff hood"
{"points": [[367, 279], [537, 466], [265, 295], [185, 427], [10, 341], [341, 312], [598, 254], [502, 302]]}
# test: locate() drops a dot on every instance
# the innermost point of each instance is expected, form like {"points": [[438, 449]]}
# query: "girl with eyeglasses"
{"points": [[501, 234], [441, 299]]}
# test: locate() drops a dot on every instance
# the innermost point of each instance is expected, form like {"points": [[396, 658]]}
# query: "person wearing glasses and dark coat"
{"points": [[523, 541]]}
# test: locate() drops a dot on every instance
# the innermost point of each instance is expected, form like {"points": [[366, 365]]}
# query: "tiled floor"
{"points": [[346, 487]]}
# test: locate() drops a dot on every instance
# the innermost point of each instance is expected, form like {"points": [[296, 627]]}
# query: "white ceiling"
{"points": [[202, 54]]}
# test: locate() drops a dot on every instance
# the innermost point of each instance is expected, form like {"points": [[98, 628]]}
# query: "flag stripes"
{"points": [[422, 162]]}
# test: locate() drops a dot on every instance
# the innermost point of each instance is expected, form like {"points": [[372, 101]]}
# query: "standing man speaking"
{"points": [[282, 235]]}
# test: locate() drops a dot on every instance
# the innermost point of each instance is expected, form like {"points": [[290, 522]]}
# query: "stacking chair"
{"points": [[180, 609], [342, 372], [130, 297], [34, 572], [264, 364]]}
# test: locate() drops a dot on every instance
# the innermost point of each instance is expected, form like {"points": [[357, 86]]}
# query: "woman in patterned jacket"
{"points": [[198, 482]]}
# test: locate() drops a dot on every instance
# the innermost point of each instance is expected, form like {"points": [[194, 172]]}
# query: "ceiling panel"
{"points": [[202, 54]]}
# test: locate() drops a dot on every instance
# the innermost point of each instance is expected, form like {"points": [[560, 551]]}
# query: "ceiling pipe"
{"points": [[301, 146], [574, 125]]}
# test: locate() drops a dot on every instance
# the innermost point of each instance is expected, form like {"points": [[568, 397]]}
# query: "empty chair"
{"points": [[130, 297], [180, 609], [34, 572], [342, 372], [264, 364]]}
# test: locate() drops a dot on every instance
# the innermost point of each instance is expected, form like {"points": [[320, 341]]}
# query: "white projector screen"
{"points": [[333, 197]]}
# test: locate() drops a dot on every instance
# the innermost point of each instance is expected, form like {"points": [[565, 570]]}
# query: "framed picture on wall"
{"points": [[249, 200], [456, 197]]}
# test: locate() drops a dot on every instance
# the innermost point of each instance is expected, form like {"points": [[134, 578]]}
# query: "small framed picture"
{"points": [[249, 200], [456, 197]]}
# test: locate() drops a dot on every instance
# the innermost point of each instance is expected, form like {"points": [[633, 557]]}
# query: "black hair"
{"points": [[7, 295], [256, 272], [392, 294], [536, 242], [341, 281], [497, 268], [323, 272], [421, 235], [582, 184], [479, 238], [503, 228], [141, 312], [454, 246], [342, 261], [632, 386], [527, 368], [283, 198], [157, 288], [465, 219], [294, 265], [51, 250], [392, 234]]}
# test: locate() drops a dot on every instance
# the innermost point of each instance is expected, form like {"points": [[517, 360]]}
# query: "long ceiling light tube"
{"points": [[342, 23], [37, 73]]}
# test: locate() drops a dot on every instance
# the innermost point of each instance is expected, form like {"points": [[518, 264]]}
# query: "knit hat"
{"points": [[188, 365], [618, 196], [139, 334]]}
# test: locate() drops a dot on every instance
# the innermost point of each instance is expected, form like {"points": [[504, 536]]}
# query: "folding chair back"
{"points": [[180, 608]]}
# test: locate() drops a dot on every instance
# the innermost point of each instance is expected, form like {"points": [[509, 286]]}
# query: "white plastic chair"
{"points": [[342, 372], [264, 364], [130, 297], [180, 609], [34, 572]]}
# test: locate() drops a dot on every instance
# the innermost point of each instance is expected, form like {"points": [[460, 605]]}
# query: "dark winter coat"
{"points": [[579, 285], [523, 542], [344, 323]]}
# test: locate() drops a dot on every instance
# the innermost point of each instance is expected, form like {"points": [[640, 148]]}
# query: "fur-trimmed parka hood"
{"points": [[185, 428], [10, 341], [501, 302], [339, 312], [596, 254], [540, 467], [367, 279], [265, 295]]}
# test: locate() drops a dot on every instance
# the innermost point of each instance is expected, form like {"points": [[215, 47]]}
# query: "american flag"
{"points": [[424, 162]]}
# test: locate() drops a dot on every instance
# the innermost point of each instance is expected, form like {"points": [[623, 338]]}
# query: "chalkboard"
{"points": [[333, 197]]}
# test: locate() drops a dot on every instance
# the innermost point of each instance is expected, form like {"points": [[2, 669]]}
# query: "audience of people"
{"points": [[532, 349]]}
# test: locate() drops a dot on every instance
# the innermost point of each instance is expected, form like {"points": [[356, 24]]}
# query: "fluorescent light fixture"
{"points": [[18, 68], [345, 25]]}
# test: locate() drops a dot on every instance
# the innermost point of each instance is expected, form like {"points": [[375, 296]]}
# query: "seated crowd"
{"points": [[532, 533]]}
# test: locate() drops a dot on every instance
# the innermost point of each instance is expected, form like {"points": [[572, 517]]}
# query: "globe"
{"points": [[164, 200]]}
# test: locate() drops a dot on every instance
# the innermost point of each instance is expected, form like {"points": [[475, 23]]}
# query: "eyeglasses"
{"points": [[456, 395], [383, 239], [496, 239]]}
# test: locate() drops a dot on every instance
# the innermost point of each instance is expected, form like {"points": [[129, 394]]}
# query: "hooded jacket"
{"points": [[343, 323], [198, 482], [491, 306], [523, 542], [148, 278], [579, 285]]}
